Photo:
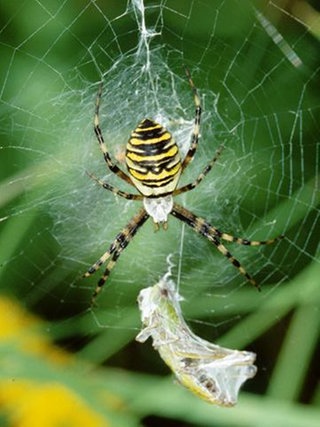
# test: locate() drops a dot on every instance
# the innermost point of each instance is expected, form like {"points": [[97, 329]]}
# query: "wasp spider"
{"points": [[154, 167]]}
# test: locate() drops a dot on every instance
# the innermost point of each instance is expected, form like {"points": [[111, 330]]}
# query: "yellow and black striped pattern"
{"points": [[153, 159]]}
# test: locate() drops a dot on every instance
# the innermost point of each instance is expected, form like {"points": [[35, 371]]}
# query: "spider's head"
{"points": [[159, 208]]}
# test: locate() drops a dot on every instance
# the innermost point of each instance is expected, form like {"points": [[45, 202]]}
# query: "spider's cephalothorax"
{"points": [[154, 166]]}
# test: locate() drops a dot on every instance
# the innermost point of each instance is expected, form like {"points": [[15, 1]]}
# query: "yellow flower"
{"points": [[32, 404]]}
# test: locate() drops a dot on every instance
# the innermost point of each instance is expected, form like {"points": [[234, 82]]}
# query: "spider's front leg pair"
{"points": [[199, 225]]}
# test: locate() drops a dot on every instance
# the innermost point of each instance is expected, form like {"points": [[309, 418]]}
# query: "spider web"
{"points": [[258, 82]]}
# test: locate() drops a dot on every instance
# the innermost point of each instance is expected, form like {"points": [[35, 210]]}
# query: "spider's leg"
{"points": [[117, 246], [115, 190], [196, 127], [112, 166], [214, 235], [102, 259], [243, 241], [205, 171]]}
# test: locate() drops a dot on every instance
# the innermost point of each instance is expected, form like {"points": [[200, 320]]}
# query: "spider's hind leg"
{"points": [[103, 147], [196, 127], [202, 175]]}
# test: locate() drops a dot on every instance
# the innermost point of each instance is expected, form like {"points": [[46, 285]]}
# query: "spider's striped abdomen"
{"points": [[153, 159]]}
